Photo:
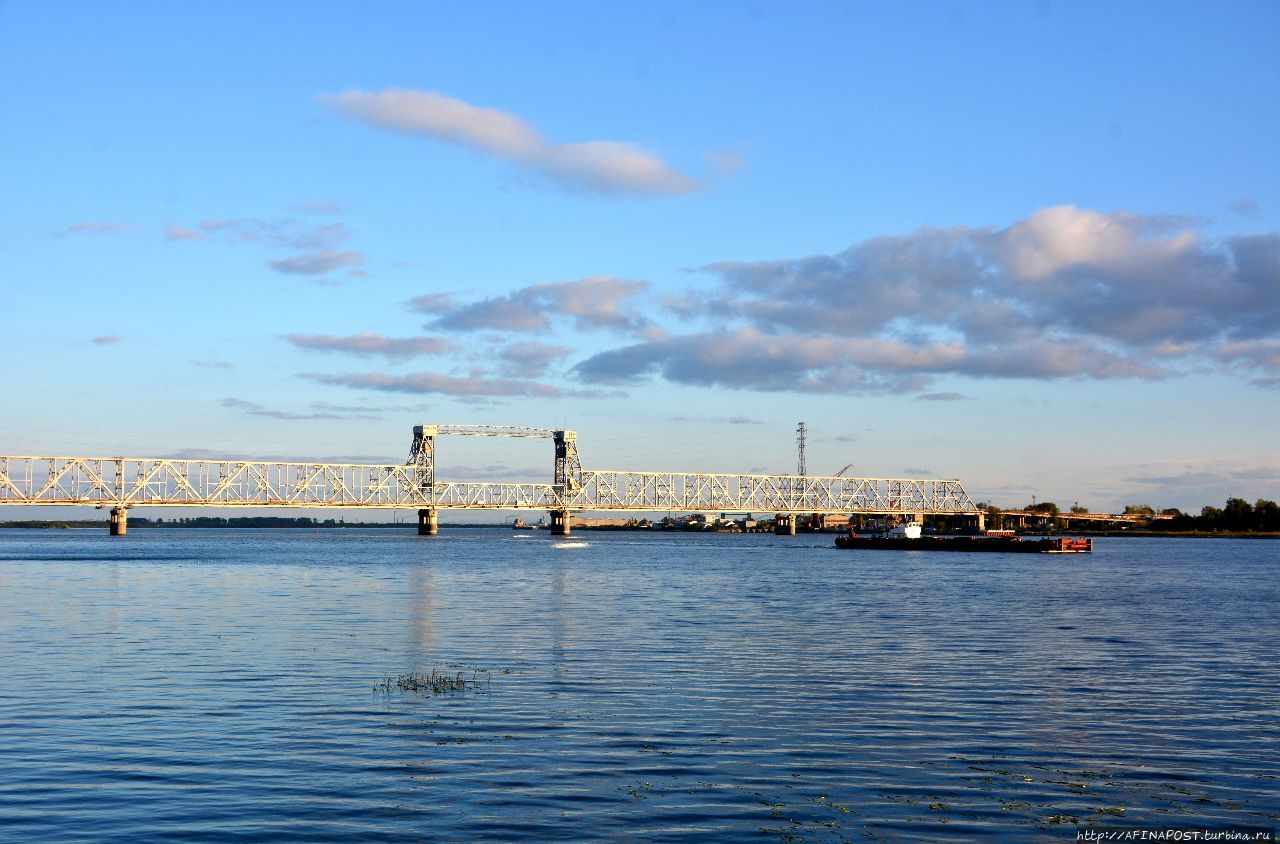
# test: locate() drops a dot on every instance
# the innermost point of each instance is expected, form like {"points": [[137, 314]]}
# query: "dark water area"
{"points": [[206, 685]]}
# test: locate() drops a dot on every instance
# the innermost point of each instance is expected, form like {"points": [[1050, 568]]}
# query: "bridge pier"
{"points": [[560, 522], [119, 521], [784, 524], [982, 521], [428, 522]]}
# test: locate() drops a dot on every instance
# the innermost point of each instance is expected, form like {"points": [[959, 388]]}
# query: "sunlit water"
{"points": [[191, 685]]}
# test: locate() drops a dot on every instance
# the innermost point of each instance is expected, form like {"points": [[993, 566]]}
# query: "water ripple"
{"points": [[208, 685]]}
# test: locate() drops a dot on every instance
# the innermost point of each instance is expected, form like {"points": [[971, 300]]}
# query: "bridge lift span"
{"points": [[122, 483]]}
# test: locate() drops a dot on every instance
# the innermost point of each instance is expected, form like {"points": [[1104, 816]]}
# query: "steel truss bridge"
{"points": [[125, 482]]}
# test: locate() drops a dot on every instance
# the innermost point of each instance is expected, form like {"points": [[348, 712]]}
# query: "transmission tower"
{"points": [[800, 467]]}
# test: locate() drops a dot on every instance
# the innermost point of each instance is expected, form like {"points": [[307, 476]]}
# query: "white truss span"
{"points": [[132, 482], [766, 493]]}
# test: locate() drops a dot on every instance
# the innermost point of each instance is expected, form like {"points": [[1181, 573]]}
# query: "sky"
{"points": [[1034, 246]]}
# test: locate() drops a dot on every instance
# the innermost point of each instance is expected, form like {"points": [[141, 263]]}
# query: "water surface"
{"points": [[205, 685]]}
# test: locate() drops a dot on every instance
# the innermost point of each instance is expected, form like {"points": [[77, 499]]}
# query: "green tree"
{"points": [[1237, 515], [1266, 515]]}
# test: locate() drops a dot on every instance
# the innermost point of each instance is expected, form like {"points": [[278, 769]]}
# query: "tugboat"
{"points": [[907, 536], [521, 524]]}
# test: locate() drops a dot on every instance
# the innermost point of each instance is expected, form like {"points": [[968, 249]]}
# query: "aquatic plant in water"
{"points": [[437, 682]]}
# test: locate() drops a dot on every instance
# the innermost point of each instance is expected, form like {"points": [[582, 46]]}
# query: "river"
{"points": [[212, 684]]}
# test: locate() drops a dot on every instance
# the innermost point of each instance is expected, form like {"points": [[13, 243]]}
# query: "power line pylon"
{"points": [[800, 467]]}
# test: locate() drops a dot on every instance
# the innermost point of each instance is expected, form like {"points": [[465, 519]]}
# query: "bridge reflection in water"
{"points": [[125, 482]]}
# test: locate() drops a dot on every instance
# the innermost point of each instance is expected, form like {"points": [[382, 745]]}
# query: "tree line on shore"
{"points": [[235, 521], [1237, 516]]}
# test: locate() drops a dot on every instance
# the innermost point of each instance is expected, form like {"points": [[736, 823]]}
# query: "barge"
{"points": [[908, 538]]}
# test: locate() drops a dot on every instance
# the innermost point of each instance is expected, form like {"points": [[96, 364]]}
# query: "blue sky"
{"points": [[1035, 246]]}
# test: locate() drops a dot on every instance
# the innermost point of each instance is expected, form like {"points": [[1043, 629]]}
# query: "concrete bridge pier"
{"points": [[119, 521], [428, 522], [560, 522], [784, 524]]}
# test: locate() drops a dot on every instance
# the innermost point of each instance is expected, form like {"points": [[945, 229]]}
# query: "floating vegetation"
{"points": [[436, 683], [640, 791]]}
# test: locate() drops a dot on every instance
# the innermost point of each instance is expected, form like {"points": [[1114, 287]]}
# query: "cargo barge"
{"points": [[908, 538]]}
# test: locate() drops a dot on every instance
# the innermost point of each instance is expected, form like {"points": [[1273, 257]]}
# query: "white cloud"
{"points": [[316, 262], [474, 384], [607, 167], [748, 358], [316, 247], [176, 232], [368, 343], [1064, 236], [598, 302], [255, 409]]}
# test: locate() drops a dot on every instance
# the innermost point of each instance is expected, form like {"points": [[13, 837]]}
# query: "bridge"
{"points": [[1089, 521], [121, 483]]}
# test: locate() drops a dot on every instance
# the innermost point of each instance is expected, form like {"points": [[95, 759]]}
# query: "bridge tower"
{"points": [[422, 457], [568, 479]]}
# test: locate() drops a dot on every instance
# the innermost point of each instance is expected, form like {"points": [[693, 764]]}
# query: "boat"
{"points": [[907, 537], [521, 524]]}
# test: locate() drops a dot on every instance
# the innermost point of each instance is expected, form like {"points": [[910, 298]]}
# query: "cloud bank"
{"points": [[1065, 293], [603, 167]]}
